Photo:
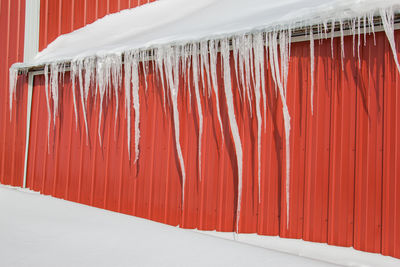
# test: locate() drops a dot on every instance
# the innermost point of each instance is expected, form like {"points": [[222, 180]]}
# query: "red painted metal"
{"points": [[345, 158], [12, 133]]}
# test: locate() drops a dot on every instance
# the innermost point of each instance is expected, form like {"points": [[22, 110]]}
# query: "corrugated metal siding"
{"points": [[345, 157], [12, 133]]}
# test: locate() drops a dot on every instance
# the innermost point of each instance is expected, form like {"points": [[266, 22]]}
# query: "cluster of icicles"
{"points": [[252, 52]]}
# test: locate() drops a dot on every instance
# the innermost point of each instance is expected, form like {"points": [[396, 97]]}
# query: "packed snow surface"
{"points": [[37, 230], [183, 38], [185, 21]]}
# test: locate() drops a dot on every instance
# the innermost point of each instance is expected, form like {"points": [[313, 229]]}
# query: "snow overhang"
{"points": [[178, 22]]}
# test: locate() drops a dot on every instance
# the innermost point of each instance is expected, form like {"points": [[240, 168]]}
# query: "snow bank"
{"points": [[183, 35], [38, 230]]}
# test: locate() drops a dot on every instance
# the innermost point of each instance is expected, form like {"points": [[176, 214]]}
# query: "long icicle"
{"points": [[46, 90], [233, 123], [172, 69], [286, 118], [73, 80], [195, 66], [136, 103], [81, 88], [258, 55], [213, 67], [128, 72]]}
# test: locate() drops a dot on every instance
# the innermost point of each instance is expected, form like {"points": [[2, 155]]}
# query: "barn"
{"points": [[280, 119]]}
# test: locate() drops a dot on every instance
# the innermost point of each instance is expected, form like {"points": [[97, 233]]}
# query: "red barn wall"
{"points": [[12, 122], [345, 171]]}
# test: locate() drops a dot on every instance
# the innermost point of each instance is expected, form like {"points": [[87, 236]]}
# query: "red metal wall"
{"points": [[12, 132], [345, 171]]}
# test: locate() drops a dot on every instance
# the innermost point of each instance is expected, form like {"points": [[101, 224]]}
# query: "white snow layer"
{"points": [[184, 35], [39, 230]]}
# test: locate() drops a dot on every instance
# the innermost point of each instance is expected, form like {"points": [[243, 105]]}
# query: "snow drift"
{"points": [[183, 37]]}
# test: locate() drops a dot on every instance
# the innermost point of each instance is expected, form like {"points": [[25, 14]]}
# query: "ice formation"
{"points": [[186, 46]]}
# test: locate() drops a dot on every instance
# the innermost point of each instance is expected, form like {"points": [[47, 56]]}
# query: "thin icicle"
{"points": [[81, 88], [388, 21], [213, 66], [271, 58], [73, 80], [116, 69], [341, 43], [232, 122], [359, 42], [101, 82], [259, 61], [195, 65], [143, 58], [128, 73], [172, 71], [160, 65], [46, 90], [205, 64], [54, 67], [332, 34], [136, 103], [235, 48], [286, 118], [312, 59]]}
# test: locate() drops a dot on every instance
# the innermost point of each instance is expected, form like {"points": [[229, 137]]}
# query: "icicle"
{"points": [[213, 66], [332, 35], [143, 58], [128, 72], [46, 90], [172, 71], [54, 88], [259, 61], [101, 81], [259, 53], [312, 59], [232, 122], [359, 41], [235, 48], [195, 64], [136, 103], [116, 69], [159, 62], [365, 29], [342, 42], [353, 32], [13, 85], [286, 118], [73, 79], [89, 65], [388, 20], [81, 88], [245, 51], [205, 64], [271, 58], [372, 27]]}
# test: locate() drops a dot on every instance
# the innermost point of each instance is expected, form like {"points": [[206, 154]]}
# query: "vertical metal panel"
{"points": [[369, 147], [12, 134], [317, 148], [344, 157], [342, 152], [391, 158]]}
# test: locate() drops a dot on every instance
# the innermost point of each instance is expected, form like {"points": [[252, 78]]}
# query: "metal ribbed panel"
{"points": [[12, 133], [369, 147], [344, 157], [391, 159]]}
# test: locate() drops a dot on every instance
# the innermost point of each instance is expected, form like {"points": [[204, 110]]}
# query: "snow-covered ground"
{"points": [[37, 230]]}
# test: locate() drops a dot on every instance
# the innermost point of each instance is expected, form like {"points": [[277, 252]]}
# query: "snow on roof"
{"points": [[184, 21]]}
